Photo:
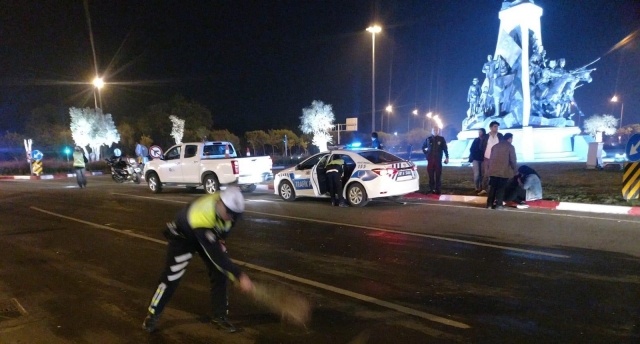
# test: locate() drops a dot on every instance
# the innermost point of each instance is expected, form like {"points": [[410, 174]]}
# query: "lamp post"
{"points": [[614, 99], [429, 116], [373, 29], [389, 110], [415, 113], [98, 83]]}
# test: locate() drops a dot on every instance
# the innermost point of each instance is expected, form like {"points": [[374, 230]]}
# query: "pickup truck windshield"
{"points": [[216, 149]]}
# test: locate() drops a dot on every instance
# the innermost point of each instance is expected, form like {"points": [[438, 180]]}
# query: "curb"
{"points": [[540, 204], [50, 176], [264, 187]]}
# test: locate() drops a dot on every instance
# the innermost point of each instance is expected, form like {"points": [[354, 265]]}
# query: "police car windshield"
{"points": [[379, 157]]}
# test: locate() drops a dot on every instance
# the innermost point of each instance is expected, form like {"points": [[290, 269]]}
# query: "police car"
{"points": [[368, 174]]}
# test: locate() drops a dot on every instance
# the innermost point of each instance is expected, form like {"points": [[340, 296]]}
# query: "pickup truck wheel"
{"points": [[357, 195], [211, 184], [285, 189], [154, 183], [248, 188]]}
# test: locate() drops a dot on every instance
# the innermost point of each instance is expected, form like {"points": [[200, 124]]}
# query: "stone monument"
{"points": [[529, 95]]}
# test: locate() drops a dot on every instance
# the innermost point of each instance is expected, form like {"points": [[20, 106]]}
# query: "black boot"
{"points": [[224, 324]]}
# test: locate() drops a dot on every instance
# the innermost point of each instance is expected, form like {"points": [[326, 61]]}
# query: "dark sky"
{"points": [[256, 64]]}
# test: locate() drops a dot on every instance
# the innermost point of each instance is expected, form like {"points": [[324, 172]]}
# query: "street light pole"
{"points": [[98, 83], [614, 99], [415, 113], [373, 29], [389, 109]]}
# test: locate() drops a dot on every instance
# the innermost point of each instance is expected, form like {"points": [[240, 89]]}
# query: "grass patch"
{"points": [[568, 182], [49, 166]]}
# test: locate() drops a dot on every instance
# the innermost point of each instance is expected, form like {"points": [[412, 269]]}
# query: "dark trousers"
{"points": [[434, 168], [80, 177], [513, 191], [497, 186], [334, 184], [179, 253]]}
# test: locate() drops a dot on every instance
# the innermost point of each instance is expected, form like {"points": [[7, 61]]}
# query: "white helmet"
{"points": [[233, 200]]}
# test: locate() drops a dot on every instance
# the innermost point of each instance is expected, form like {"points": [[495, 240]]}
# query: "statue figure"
{"points": [[560, 68], [502, 81], [490, 69], [473, 98], [535, 70], [485, 100]]}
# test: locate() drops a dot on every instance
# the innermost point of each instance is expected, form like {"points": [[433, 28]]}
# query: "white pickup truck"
{"points": [[207, 164]]}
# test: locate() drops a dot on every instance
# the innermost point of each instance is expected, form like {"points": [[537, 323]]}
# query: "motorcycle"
{"points": [[124, 169]]}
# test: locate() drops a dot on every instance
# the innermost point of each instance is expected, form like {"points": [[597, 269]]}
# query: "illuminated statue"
{"points": [[473, 98]]}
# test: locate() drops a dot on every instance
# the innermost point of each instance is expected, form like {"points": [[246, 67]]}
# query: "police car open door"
{"points": [[318, 176]]}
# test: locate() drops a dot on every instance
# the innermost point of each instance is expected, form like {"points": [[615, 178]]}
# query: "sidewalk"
{"points": [[540, 204], [50, 176]]}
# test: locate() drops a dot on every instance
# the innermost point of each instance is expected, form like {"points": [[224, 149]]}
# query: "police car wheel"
{"points": [[285, 190], [211, 184], [154, 183], [357, 195]]}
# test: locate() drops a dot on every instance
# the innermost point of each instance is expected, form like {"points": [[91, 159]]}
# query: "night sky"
{"points": [[256, 64]]}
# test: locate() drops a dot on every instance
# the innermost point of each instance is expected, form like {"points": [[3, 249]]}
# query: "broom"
{"points": [[289, 305]]}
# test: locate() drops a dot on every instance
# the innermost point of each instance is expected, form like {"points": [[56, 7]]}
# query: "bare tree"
{"points": [[318, 120], [597, 125], [177, 129], [91, 127]]}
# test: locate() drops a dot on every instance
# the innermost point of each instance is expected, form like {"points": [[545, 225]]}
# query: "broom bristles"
{"points": [[289, 305]]}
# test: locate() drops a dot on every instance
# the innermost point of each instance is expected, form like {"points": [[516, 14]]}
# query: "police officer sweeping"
{"points": [[202, 227]]}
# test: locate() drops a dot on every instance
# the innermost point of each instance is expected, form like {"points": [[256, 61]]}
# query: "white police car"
{"points": [[369, 173]]}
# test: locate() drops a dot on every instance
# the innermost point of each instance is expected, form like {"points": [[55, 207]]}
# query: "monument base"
{"points": [[532, 144]]}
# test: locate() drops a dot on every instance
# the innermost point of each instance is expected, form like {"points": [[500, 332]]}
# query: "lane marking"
{"points": [[436, 237], [344, 292], [520, 211]]}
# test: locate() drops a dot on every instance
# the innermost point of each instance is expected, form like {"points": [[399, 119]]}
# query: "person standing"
{"points": [[434, 147], [335, 170], [502, 166], [488, 141], [79, 161], [476, 157], [375, 142], [203, 227]]}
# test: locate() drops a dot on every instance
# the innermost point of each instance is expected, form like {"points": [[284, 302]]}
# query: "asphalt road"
{"points": [[84, 263]]}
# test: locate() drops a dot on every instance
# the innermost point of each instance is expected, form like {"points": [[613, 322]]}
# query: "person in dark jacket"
{"points": [[334, 172], [375, 142], [202, 227], [434, 147], [476, 156], [502, 166]]}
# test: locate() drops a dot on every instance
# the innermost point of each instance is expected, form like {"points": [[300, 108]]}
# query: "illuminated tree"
{"points": [[318, 120], [596, 125], [90, 127], [177, 131]]}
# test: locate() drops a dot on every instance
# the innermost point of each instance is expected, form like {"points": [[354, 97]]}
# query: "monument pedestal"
{"points": [[532, 144]]}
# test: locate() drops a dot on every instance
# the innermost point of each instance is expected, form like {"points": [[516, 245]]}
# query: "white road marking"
{"points": [[530, 212], [475, 243], [344, 292]]}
